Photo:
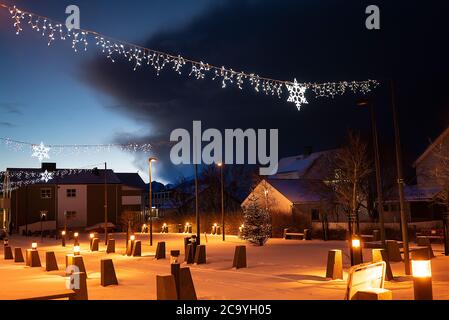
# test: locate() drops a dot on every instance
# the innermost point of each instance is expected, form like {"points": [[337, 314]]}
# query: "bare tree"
{"points": [[351, 178]]}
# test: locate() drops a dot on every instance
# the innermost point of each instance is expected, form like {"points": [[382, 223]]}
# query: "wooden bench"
{"points": [[366, 282], [75, 294], [298, 235]]}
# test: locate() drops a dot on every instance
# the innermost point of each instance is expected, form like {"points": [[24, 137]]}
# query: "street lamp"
{"points": [[43, 218], [150, 200], [380, 208], [221, 166]]}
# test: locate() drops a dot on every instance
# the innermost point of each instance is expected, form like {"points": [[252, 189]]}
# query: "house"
{"points": [[420, 198], [72, 198], [296, 195]]}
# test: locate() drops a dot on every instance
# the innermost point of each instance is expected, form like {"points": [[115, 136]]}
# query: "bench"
{"points": [[298, 235], [366, 282]]}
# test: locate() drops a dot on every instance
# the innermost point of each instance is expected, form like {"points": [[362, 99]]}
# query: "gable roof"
{"points": [[131, 180], [298, 190], [432, 146], [84, 177], [300, 163]]}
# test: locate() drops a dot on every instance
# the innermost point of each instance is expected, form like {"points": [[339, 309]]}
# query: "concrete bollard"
{"points": [[81, 292], [95, 244], [130, 247], [72, 260], [108, 276], [239, 257], [381, 255], [200, 254], [394, 253], [50, 261], [8, 253], [190, 255], [425, 242], [166, 287], [18, 256], [33, 259], [307, 234], [111, 246], [160, 250], [137, 249], [186, 286], [334, 269]]}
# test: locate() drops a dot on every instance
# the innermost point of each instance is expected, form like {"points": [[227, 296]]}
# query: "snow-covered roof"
{"points": [[430, 148], [299, 190], [300, 163]]}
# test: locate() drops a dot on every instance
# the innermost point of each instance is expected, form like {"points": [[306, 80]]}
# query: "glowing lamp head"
{"points": [[63, 233], [355, 243], [187, 224], [144, 225], [34, 246], [152, 159], [215, 225], [220, 164], [76, 234], [91, 235], [164, 225], [76, 250], [433, 231], [421, 269], [132, 238]]}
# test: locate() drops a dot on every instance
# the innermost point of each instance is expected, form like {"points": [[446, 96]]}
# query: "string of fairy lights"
{"points": [[42, 152], [140, 57]]}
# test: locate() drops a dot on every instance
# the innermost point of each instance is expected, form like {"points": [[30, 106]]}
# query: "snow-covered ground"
{"points": [[283, 269]]}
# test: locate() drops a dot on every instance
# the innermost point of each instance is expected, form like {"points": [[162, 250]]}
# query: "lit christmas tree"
{"points": [[257, 226]]}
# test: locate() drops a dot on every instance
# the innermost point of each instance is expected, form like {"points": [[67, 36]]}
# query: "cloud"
{"points": [[7, 124], [310, 41], [11, 107]]}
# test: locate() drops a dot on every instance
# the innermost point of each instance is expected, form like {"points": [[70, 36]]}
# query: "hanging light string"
{"points": [[140, 56], [41, 151]]}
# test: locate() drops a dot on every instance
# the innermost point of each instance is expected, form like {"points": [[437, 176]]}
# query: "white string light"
{"points": [[140, 56]]}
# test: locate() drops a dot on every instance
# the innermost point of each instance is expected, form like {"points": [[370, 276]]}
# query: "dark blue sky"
{"points": [[57, 96]]}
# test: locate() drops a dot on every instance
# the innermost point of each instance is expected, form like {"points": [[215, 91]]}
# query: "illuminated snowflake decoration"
{"points": [[46, 176], [41, 152], [297, 94]]}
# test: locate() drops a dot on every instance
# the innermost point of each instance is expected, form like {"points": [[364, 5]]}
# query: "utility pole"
{"points": [[380, 207], [221, 165], [150, 200], [400, 181], [105, 206]]}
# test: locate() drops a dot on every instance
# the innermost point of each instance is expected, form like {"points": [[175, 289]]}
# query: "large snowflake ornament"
{"points": [[40, 152], [297, 94], [46, 176]]}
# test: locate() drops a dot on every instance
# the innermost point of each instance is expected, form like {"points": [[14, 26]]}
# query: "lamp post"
{"points": [[221, 165], [380, 208], [150, 200], [105, 206], [446, 232], [198, 235], [43, 218], [400, 182]]}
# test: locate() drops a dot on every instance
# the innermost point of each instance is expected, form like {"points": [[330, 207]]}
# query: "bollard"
{"points": [[334, 269], [425, 242], [200, 254], [376, 235], [239, 257], [160, 250], [166, 287], [190, 255], [18, 256], [175, 271], [422, 275], [81, 292], [130, 247], [72, 260], [394, 253], [307, 234], [50, 261], [33, 259], [357, 251], [186, 286], [94, 244], [108, 276], [381, 255], [137, 248], [8, 253], [111, 246], [186, 242]]}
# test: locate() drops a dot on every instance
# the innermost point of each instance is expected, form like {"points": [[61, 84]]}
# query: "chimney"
{"points": [[308, 151], [49, 166]]}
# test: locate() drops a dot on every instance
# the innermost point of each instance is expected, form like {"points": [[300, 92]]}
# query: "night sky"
{"points": [[57, 96]]}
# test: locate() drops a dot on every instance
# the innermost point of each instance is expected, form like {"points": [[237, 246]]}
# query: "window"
{"points": [[71, 193], [70, 214], [45, 193], [315, 215]]}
